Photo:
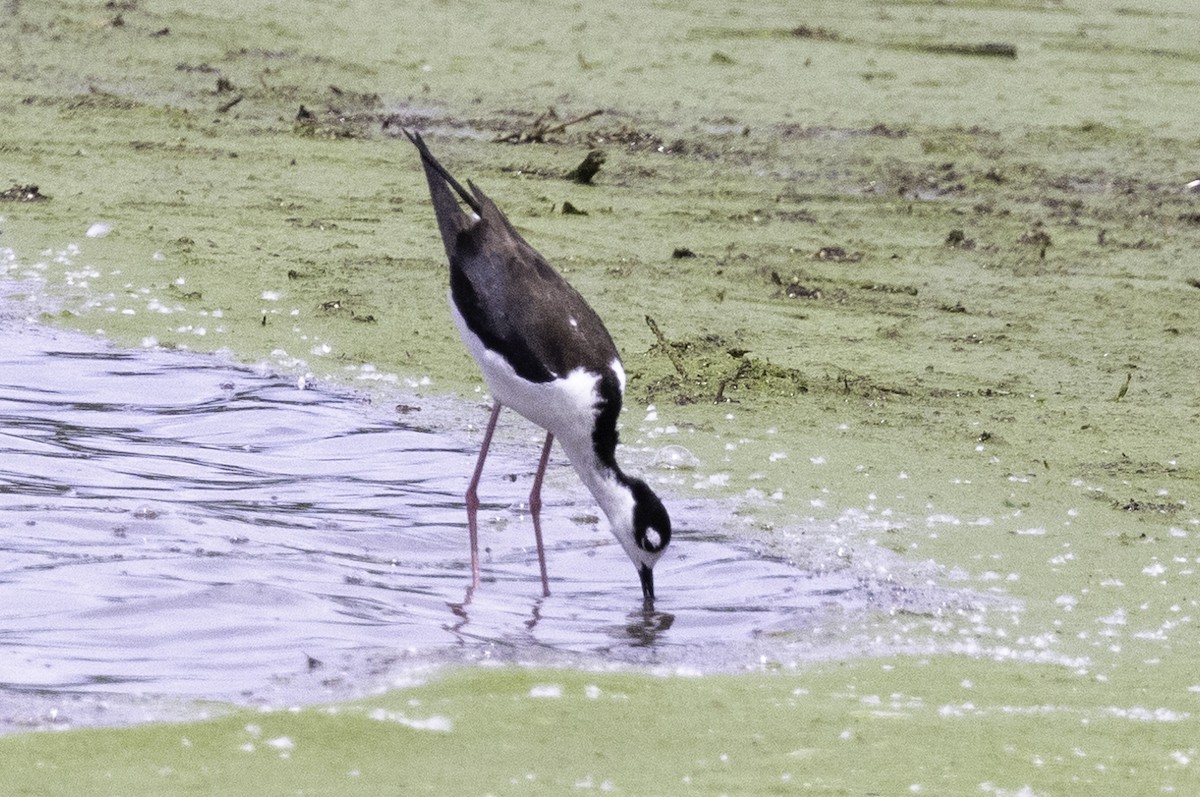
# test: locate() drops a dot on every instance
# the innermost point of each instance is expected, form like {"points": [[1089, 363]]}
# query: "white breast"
{"points": [[565, 407]]}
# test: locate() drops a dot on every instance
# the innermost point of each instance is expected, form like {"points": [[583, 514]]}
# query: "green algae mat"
{"points": [[510, 731], [933, 265]]}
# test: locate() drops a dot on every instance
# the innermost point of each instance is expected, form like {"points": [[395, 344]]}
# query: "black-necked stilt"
{"points": [[546, 354]]}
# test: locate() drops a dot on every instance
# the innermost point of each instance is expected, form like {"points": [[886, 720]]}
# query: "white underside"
{"points": [[565, 406]]}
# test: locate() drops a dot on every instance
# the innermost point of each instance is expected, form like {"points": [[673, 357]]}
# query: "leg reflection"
{"points": [[462, 614], [459, 610]]}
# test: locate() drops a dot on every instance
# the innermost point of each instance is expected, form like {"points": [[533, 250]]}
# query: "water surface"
{"points": [[172, 525]]}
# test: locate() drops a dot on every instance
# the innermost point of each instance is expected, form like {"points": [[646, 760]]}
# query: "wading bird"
{"points": [[546, 354]]}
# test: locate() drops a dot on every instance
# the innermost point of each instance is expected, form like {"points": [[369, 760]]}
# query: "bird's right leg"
{"points": [[535, 509], [472, 496]]}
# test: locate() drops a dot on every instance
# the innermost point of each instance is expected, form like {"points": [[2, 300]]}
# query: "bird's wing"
{"points": [[510, 297]]}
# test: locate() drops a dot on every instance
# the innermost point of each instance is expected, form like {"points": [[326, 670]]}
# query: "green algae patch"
{"points": [[905, 726]]}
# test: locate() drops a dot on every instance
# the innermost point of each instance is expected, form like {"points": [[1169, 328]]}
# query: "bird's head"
{"points": [[644, 532]]}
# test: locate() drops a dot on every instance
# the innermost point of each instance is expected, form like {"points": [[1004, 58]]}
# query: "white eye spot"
{"points": [[653, 539], [573, 322]]}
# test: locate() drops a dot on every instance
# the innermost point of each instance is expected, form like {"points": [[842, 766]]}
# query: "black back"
{"points": [[507, 293]]}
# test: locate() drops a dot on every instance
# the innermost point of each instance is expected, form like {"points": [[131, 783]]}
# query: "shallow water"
{"points": [[175, 526]]}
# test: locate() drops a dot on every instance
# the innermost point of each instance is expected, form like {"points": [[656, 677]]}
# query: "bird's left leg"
{"points": [[472, 496]]}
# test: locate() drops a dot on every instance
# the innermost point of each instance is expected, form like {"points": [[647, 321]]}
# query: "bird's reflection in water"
{"points": [[462, 615], [644, 627]]}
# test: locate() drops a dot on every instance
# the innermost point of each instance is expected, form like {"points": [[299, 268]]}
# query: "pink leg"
{"points": [[535, 509], [472, 496]]}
